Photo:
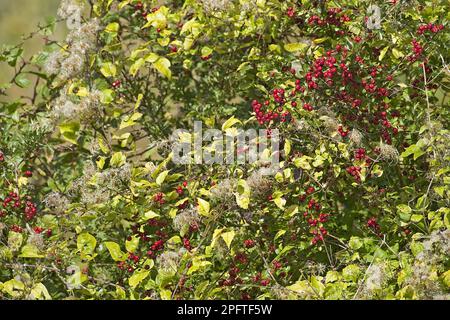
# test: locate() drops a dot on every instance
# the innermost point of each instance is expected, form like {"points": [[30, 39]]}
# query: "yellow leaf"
{"points": [[228, 237], [163, 66], [203, 207], [293, 47]]}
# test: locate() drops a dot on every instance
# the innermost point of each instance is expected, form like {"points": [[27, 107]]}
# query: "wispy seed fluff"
{"points": [[423, 277], [259, 184], [86, 110], [170, 260], [388, 152], [56, 202], [376, 278], [53, 63], [215, 5], [223, 191], [71, 65], [356, 137], [84, 38], [70, 9], [185, 219], [80, 41]]}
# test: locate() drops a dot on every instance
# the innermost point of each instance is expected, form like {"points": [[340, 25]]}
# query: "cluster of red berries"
{"points": [[342, 132], [433, 28], [159, 198], [180, 189], [259, 279], [187, 244], [14, 202], [266, 117], [332, 18], [355, 171], [173, 48], [233, 277], [133, 257], [30, 210], [39, 230], [417, 51], [16, 228], [241, 258], [156, 246], [326, 68], [2, 157], [314, 217], [360, 154], [290, 12], [248, 243], [139, 7], [373, 224], [116, 84]]}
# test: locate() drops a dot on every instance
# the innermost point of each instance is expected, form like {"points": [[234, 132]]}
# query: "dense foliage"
{"points": [[94, 208]]}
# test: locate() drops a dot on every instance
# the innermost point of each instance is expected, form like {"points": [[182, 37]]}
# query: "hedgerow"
{"points": [[93, 207]]}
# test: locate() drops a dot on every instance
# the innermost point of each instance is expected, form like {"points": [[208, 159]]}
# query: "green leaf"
{"points": [[113, 27], [279, 234], [197, 264], [22, 81], [206, 51], [136, 66], [303, 162], [86, 243], [351, 272], [355, 243], [150, 215], [39, 291], [332, 276], [404, 212], [287, 147]]}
